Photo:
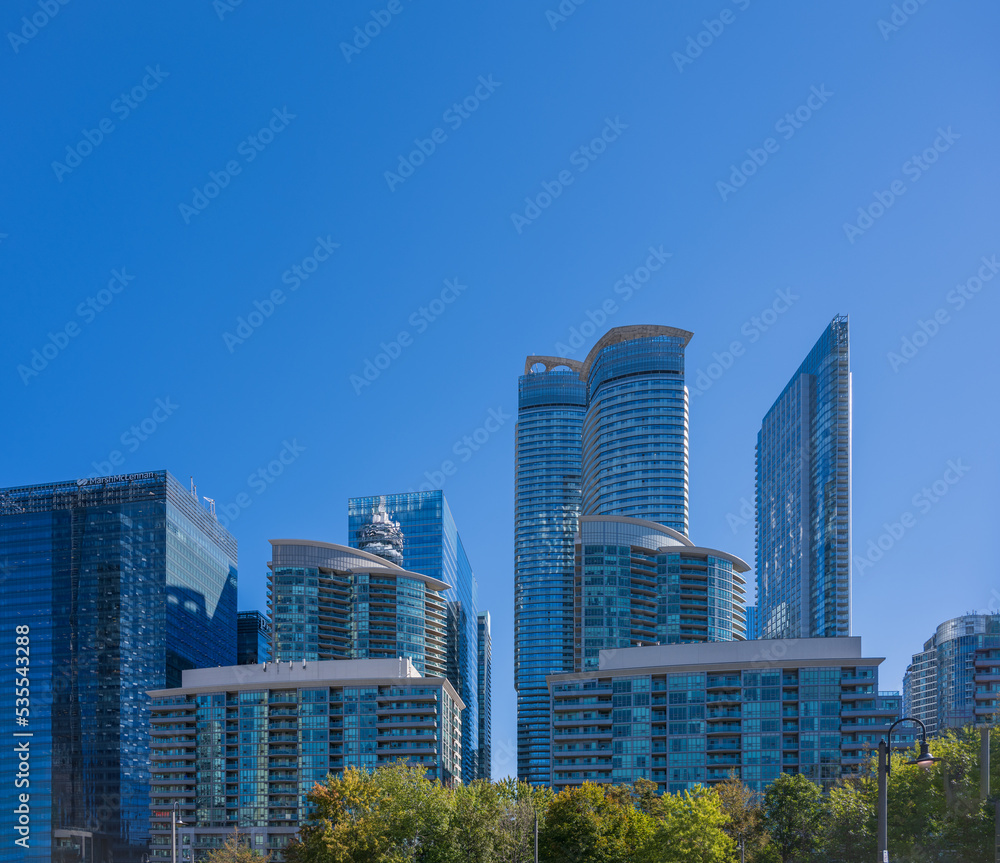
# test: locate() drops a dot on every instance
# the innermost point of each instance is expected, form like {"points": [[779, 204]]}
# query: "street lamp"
{"points": [[924, 759], [174, 821]]}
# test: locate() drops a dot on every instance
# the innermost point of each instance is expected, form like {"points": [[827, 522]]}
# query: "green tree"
{"points": [[595, 824], [391, 815], [236, 851], [850, 821], [745, 810], [793, 809], [689, 829]]}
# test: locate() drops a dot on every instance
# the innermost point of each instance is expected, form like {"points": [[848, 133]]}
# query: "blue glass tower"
{"points": [[253, 638], [116, 584], [803, 518], [552, 401], [431, 545], [605, 438], [485, 697]]}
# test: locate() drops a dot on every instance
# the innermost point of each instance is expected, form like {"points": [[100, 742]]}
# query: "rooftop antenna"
{"points": [[211, 505], [194, 489]]}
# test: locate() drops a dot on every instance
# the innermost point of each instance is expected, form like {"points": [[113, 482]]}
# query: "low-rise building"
{"points": [[240, 747], [689, 714]]}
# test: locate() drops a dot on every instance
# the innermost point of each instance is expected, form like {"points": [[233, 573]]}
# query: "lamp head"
{"points": [[925, 759]]}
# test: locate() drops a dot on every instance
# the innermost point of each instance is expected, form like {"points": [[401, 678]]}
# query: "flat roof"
{"points": [[330, 672], [727, 655]]}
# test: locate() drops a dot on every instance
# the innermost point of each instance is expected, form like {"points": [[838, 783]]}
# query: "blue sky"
{"points": [[193, 156]]}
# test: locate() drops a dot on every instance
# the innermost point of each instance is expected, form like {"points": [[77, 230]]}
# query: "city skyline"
{"points": [[304, 330]]}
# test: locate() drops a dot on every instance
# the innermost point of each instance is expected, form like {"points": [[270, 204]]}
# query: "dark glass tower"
{"points": [[485, 698], [804, 498], [432, 546], [253, 638], [117, 584]]}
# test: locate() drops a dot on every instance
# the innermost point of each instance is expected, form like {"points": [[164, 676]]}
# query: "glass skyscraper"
{"points": [[253, 638], [112, 586], [803, 517], [485, 698], [601, 555], [940, 685], [432, 546]]}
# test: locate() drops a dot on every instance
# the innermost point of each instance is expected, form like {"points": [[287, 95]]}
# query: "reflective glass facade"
{"points": [[804, 498], [432, 546], [702, 719], [333, 602], [117, 584], [241, 747], [253, 638], [485, 698], [635, 435], [941, 683], [551, 407], [638, 583]]}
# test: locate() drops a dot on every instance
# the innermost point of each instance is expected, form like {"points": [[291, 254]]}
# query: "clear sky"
{"points": [[144, 214]]}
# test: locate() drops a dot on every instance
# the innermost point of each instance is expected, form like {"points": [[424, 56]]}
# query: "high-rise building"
{"points": [[946, 685], [253, 638], [601, 521], [693, 714], [333, 602], [421, 527], [112, 586], [291, 724], [485, 698], [639, 582], [752, 623], [552, 401], [803, 509]]}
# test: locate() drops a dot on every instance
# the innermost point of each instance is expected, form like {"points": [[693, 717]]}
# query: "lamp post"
{"points": [[174, 821], [924, 759]]}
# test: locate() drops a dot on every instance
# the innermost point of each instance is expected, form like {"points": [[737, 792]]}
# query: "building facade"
{"points": [[113, 586], [752, 624], [639, 582], [948, 684], [803, 498], [485, 698], [689, 714], [253, 638], [552, 401], [420, 527], [600, 442], [333, 602], [239, 748]]}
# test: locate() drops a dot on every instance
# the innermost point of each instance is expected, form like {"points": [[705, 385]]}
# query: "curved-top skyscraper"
{"points": [[635, 435], [601, 452]]}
